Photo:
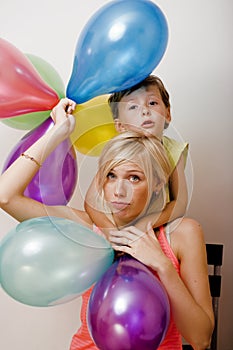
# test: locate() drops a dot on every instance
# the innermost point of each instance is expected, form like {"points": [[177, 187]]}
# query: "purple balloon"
{"points": [[128, 308], [55, 181]]}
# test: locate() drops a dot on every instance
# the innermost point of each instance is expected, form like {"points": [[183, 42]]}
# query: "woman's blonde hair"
{"points": [[145, 151]]}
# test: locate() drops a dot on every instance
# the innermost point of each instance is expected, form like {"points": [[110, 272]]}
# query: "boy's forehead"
{"points": [[143, 90]]}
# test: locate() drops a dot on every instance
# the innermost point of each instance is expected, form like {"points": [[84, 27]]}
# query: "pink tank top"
{"points": [[82, 339]]}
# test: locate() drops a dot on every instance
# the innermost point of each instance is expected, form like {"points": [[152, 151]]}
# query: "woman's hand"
{"points": [[62, 116], [140, 245]]}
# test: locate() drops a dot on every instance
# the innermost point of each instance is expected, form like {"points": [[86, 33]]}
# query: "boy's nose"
{"points": [[145, 111]]}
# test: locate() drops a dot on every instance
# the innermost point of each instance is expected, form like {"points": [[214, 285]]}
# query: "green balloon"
{"points": [[52, 78], [27, 121], [48, 261], [48, 74]]}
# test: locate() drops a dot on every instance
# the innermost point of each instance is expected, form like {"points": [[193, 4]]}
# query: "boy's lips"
{"points": [[147, 124]]}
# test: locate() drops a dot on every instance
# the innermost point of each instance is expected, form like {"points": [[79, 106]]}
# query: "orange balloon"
{"points": [[94, 126]]}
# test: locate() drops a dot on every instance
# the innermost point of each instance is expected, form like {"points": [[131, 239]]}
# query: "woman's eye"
{"points": [[134, 178], [110, 176]]}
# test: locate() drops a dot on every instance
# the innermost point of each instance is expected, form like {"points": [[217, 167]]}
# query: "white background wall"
{"points": [[197, 70]]}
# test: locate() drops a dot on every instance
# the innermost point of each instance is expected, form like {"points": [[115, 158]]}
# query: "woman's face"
{"points": [[126, 192]]}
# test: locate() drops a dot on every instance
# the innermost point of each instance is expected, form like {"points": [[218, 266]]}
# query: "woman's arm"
{"points": [[16, 178], [188, 293], [196, 326], [176, 208]]}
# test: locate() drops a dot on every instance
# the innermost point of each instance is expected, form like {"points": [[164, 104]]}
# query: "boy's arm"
{"points": [[92, 208], [178, 200]]}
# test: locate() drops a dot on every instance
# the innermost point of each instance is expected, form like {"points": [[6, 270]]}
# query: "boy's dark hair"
{"points": [[150, 80]]}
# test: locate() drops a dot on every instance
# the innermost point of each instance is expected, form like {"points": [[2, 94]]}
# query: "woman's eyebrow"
{"points": [[135, 171]]}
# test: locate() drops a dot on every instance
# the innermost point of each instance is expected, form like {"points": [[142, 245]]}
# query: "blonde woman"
{"points": [[130, 173]]}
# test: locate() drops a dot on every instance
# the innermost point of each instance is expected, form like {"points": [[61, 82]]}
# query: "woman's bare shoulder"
{"points": [[187, 234], [184, 226]]}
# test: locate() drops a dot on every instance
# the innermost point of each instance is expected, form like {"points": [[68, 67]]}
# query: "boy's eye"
{"points": [[153, 103], [132, 107]]}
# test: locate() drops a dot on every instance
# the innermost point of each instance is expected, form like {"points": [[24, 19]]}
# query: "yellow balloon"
{"points": [[94, 126]]}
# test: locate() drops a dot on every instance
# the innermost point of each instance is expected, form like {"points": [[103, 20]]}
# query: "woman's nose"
{"points": [[120, 188]]}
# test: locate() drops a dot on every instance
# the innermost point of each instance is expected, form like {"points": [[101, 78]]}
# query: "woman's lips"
{"points": [[119, 205]]}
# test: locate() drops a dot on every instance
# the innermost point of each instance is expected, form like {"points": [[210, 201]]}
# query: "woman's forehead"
{"points": [[127, 166]]}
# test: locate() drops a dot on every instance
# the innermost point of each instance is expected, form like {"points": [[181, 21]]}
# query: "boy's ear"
{"points": [[168, 116], [119, 126]]}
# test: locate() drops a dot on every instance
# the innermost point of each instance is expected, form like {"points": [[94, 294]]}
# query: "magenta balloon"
{"points": [[128, 308], [55, 182]]}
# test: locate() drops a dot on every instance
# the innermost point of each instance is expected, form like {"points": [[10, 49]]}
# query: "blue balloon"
{"points": [[48, 261], [120, 45]]}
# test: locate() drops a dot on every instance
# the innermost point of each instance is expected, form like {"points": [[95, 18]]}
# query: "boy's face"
{"points": [[143, 110]]}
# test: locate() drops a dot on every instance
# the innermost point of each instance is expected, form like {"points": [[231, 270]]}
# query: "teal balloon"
{"points": [[52, 78], [48, 261], [120, 45]]}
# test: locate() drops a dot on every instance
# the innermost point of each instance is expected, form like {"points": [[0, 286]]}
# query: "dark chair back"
{"points": [[214, 260]]}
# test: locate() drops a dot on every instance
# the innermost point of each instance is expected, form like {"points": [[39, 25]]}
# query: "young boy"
{"points": [[145, 108]]}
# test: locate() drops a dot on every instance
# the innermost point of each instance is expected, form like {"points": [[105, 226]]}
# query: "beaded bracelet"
{"points": [[31, 158]]}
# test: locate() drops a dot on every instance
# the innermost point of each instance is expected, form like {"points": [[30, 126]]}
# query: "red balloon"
{"points": [[128, 308], [22, 90]]}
